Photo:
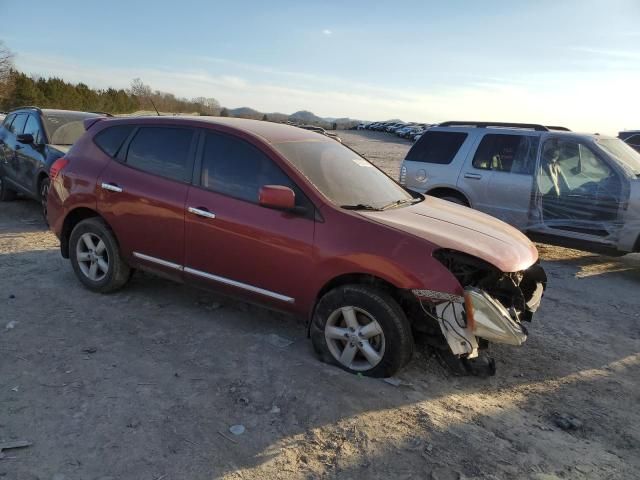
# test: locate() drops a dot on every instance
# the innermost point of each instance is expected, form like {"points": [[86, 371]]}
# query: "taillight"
{"points": [[57, 166]]}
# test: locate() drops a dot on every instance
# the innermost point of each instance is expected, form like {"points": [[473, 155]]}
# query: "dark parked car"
{"points": [[631, 138], [32, 139], [293, 220]]}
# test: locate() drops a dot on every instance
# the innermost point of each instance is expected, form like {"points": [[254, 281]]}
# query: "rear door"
{"points": [[11, 147], [499, 176], [5, 151], [234, 243], [142, 194]]}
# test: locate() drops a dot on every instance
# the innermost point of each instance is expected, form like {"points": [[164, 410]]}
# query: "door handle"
{"points": [[474, 176], [201, 212], [111, 187]]}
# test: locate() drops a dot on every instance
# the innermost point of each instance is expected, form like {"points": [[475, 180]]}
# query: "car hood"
{"points": [[452, 226], [61, 148]]}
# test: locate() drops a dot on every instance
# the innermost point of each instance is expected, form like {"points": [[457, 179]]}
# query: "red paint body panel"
{"points": [[266, 255]]}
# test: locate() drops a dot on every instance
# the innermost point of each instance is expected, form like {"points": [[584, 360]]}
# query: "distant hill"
{"points": [[300, 117]]}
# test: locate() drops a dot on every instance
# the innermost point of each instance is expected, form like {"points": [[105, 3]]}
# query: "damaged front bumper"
{"points": [[491, 309]]}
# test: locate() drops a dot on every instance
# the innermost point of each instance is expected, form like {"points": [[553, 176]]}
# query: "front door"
{"points": [[500, 176], [234, 243], [30, 158], [11, 148], [142, 196], [578, 189]]}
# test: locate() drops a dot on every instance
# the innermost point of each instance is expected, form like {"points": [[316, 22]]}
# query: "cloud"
{"points": [[327, 32]]}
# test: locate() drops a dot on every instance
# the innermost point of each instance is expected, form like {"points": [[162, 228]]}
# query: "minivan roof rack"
{"points": [[460, 123], [554, 127]]}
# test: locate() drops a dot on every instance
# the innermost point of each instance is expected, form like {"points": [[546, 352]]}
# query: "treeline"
{"points": [[56, 93]]}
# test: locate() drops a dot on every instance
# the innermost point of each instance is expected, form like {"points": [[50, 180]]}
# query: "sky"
{"points": [[563, 62]]}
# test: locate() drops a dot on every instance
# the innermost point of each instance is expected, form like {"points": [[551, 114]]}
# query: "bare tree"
{"points": [[6, 67], [139, 89]]}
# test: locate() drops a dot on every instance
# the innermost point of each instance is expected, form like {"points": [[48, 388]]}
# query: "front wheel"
{"points": [[362, 330], [95, 256]]}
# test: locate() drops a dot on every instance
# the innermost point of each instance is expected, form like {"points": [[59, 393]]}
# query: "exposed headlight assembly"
{"points": [[488, 319]]}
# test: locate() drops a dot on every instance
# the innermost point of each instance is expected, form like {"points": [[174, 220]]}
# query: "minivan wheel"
{"points": [[95, 257], [44, 193], [6, 194], [362, 329]]}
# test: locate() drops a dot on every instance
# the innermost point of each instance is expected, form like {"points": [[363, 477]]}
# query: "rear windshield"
{"points": [[65, 128], [436, 147]]}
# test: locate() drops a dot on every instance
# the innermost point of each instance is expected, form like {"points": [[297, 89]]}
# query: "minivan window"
{"points": [[621, 151], [236, 168], [163, 151], [65, 128], [18, 124], [111, 139], [7, 121], [507, 153], [436, 147], [343, 176]]}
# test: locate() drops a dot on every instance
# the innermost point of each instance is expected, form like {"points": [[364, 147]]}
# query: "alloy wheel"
{"points": [[355, 338], [92, 257]]}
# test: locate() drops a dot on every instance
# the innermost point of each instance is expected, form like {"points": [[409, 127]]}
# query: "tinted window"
{"points": [[507, 153], [437, 147], [111, 139], [633, 140], [18, 124], [236, 168], [33, 127], [162, 151]]}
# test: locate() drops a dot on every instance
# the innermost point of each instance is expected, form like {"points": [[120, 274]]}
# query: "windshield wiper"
{"points": [[397, 203], [360, 206]]}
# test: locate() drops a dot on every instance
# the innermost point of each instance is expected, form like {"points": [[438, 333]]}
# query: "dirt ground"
{"points": [[145, 383]]}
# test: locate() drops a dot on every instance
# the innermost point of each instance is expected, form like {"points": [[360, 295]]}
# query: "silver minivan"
{"points": [[578, 190]]}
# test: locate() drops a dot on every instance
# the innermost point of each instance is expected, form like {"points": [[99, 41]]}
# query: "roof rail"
{"points": [[32, 107], [106, 114], [554, 127], [532, 126]]}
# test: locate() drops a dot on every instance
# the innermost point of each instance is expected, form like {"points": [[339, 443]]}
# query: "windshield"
{"points": [[343, 176], [65, 128], [622, 152]]}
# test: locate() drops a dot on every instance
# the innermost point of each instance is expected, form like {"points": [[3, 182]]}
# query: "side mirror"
{"points": [[25, 138], [277, 197]]}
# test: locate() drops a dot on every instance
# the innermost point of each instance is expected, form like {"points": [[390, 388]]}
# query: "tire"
{"points": [[92, 243], [6, 194], [43, 193], [455, 199], [380, 350]]}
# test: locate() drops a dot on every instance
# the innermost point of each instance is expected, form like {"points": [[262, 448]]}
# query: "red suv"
{"points": [[297, 222]]}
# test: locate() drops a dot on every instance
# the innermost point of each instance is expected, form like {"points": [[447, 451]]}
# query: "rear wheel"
{"points": [[6, 194], [95, 257], [362, 330], [44, 193]]}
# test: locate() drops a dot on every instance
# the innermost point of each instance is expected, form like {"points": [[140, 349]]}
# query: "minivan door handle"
{"points": [[474, 176], [112, 187], [201, 212]]}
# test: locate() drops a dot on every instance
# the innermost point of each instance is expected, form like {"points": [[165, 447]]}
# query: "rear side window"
{"points": [[111, 139], [18, 124], [437, 147], [32, 127], [162, 151], [236, 168], [507, 153]]}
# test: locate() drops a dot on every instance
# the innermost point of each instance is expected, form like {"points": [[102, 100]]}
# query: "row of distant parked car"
{"points": [[411, 130]]}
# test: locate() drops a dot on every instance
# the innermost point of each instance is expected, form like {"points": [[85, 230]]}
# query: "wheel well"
{"points": [[71, 220], [404, 298], [41, 177], [448, 192]]}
